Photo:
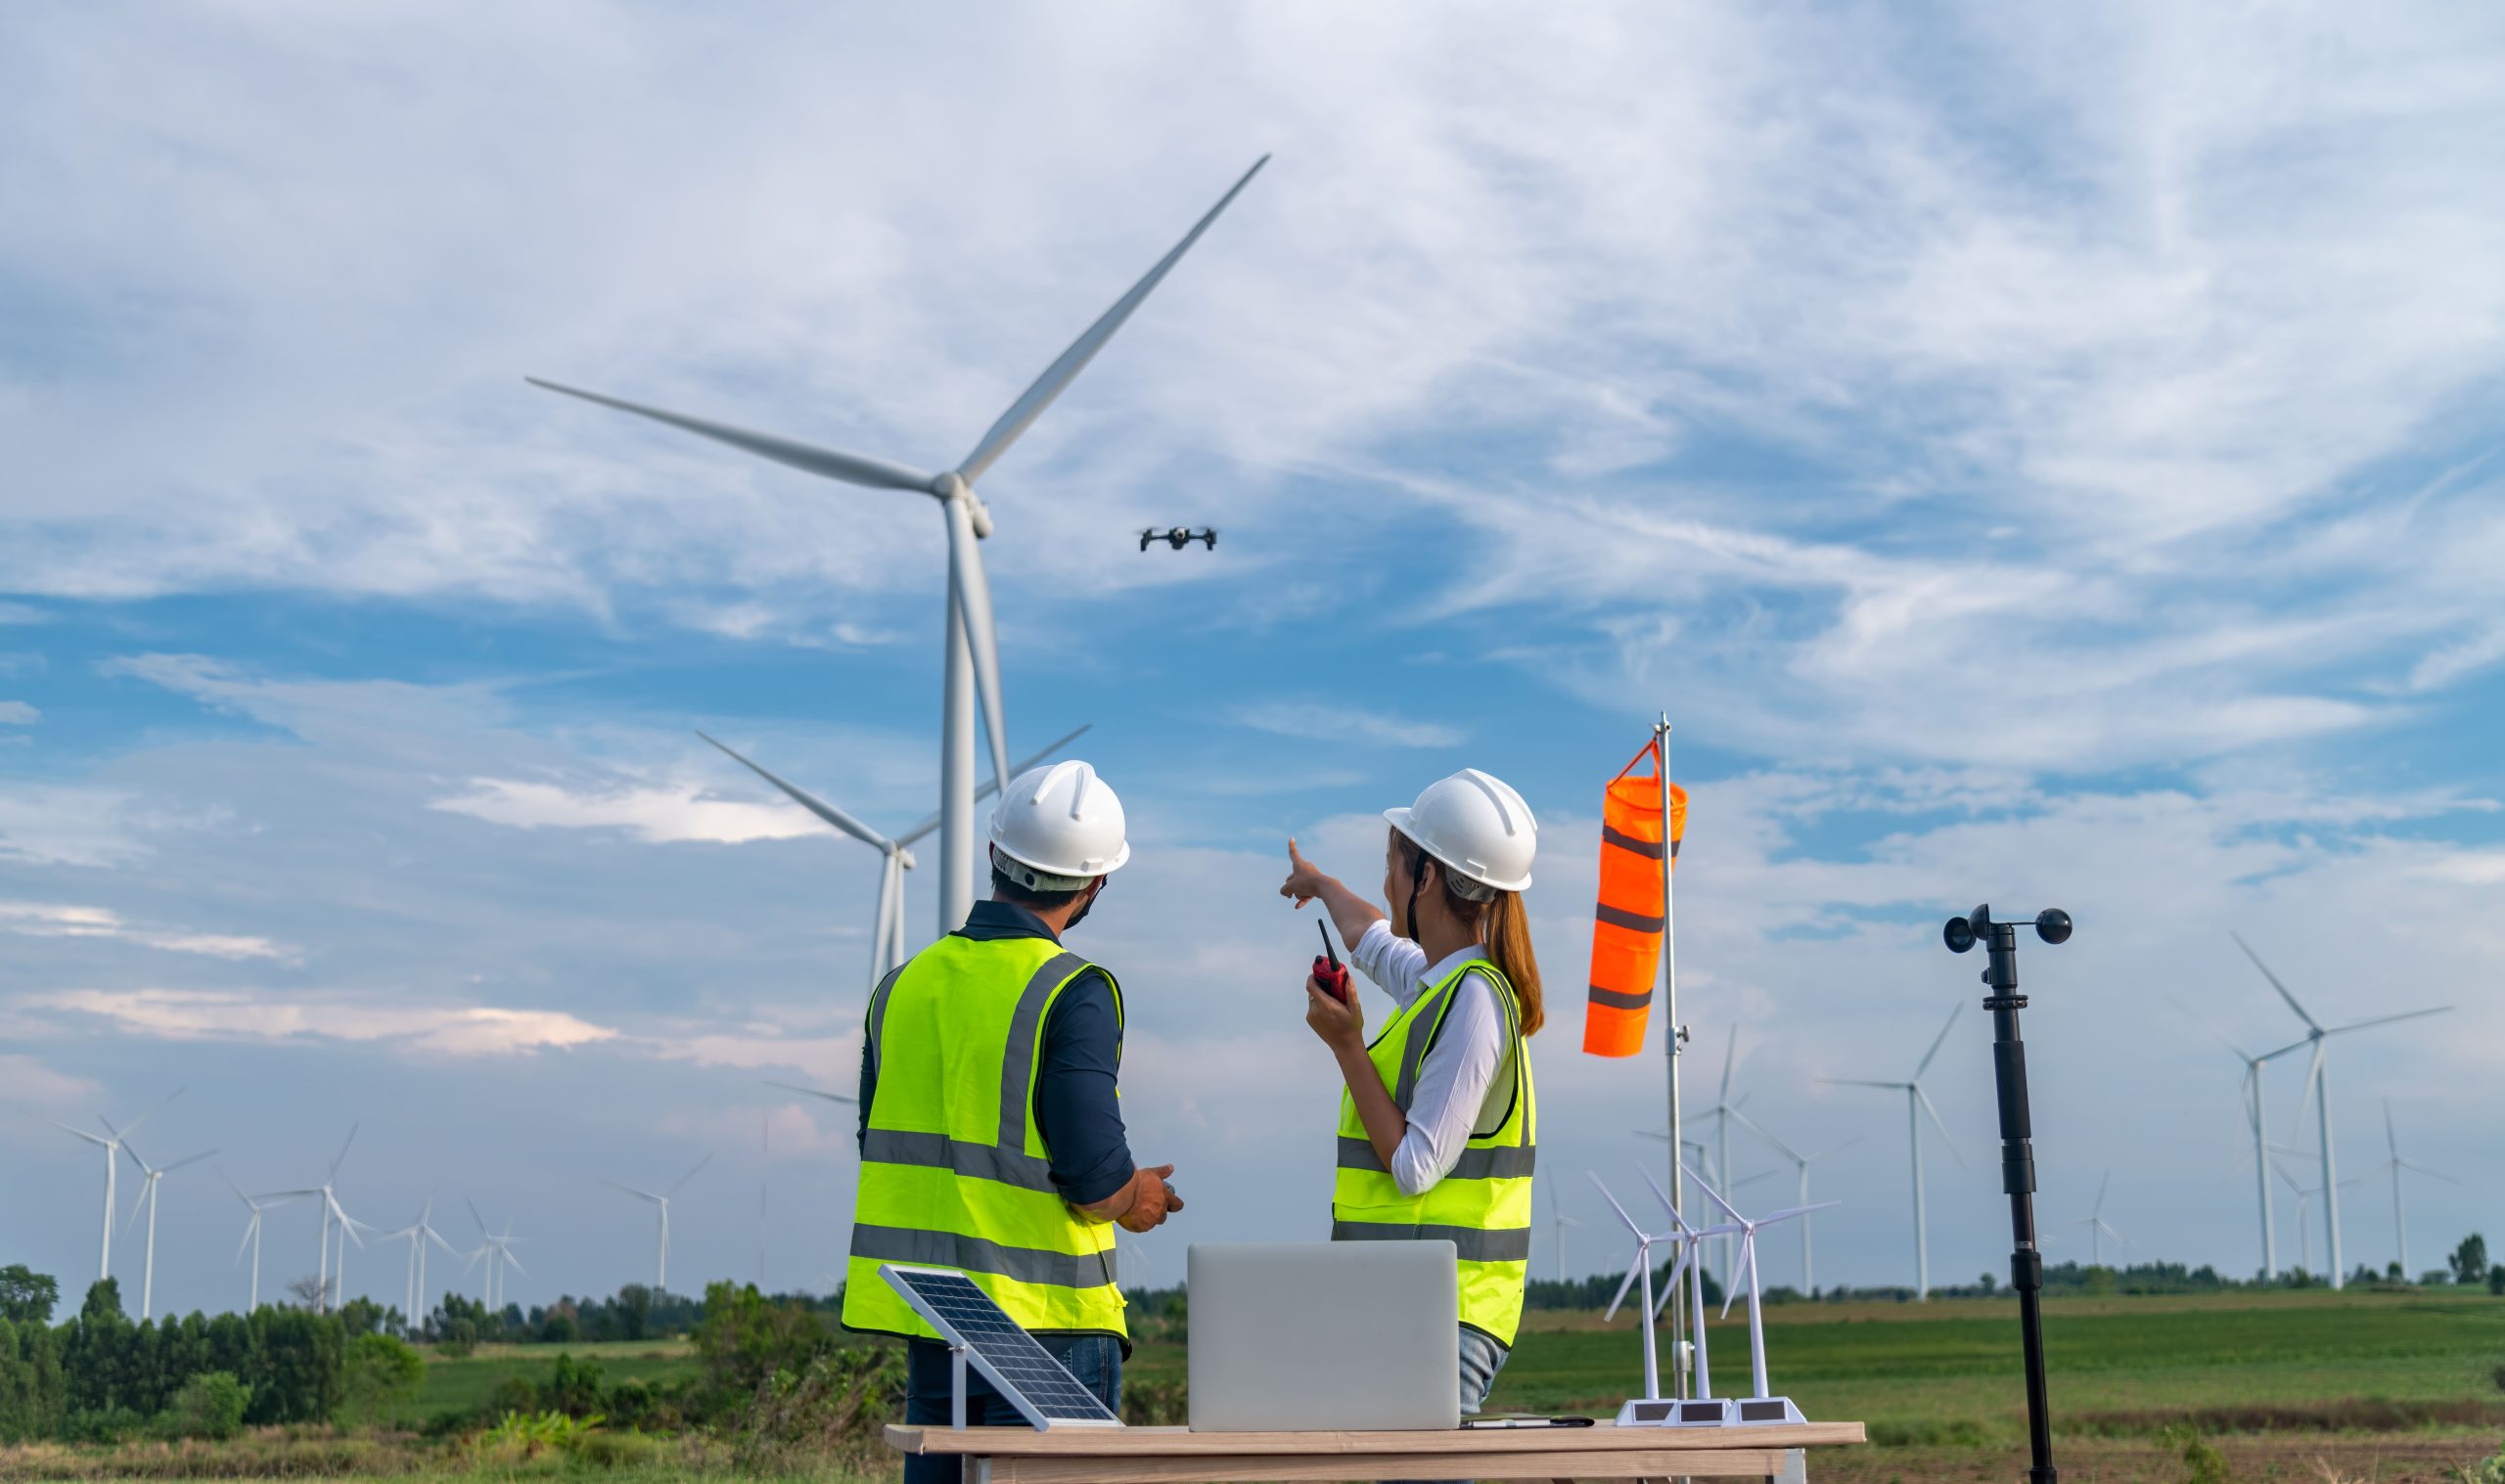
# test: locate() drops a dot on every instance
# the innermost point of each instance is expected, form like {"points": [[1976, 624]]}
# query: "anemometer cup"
{"points": [[1959, 935], [2052, 924]]}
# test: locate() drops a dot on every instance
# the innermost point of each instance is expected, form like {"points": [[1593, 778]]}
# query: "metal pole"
{"points": [[1921, 1231], [2261, 1172], [1672, 1034], [2018, 1180]]}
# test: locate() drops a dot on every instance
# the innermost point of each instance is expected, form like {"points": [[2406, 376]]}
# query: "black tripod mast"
{"points": [[2017, 1148]]}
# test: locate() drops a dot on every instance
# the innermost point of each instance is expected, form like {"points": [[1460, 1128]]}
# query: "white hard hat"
{"points": [[1478, 826], [1062, 823]]}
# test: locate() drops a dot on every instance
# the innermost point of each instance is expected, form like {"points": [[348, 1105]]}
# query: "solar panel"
{"points": [[1041, 1387]]}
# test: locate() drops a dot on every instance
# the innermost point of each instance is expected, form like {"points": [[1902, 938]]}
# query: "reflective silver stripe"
{"points": [[1625, 841], [1017, 1064], [1506, 1162], [1510, 1244], [938, 1151], [1619, 1000], [878, 1012], [1635, 922], [972, 1255]]}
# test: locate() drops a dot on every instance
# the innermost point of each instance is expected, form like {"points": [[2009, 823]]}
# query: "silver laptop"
{"points": [[1294, 1336]]}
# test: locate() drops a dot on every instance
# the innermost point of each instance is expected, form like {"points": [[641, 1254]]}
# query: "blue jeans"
{"points": [[1481, 1359], [1094, 1358]]}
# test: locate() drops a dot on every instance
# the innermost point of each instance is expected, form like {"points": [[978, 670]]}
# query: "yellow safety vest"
{"points": [[953, 1171], [1482, 1207]]}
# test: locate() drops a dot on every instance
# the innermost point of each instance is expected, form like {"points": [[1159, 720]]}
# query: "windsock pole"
{"points": [[1672, 1033]]}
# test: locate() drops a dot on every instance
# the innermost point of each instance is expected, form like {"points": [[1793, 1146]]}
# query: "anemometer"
{"points": [[2017, 1147]]}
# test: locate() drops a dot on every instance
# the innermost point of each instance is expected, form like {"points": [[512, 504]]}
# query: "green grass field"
{"points": [[466, 1383]]}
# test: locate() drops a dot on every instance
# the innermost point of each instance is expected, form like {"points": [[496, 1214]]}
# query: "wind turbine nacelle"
{"points": [[904, 858]]}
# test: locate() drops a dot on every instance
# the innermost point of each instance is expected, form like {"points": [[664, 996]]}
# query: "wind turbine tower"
{"points": [[2097, 1230], [252, 1233], [660, 1201], [2317, 1089], [332, 1212], [2395, 1165], [971, 657], [1917, 1104], [1558, 1222]]}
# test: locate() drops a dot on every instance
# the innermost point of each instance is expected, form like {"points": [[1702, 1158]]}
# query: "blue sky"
{"points": [[2049, 459]]}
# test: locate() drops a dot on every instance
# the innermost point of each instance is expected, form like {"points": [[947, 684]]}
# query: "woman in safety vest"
{"points": [[1438, 1122]]}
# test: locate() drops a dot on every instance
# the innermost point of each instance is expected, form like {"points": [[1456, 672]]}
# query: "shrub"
{"points": [[2202, 1462], [460, 1336], [210, 1405], [830, 1411], [381, 1373]]}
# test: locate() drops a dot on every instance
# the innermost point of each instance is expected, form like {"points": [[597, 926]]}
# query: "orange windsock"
{"points": [[1627, 922]]}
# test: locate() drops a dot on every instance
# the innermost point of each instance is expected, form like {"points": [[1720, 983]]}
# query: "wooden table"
{"points": [[1173, 1454]]}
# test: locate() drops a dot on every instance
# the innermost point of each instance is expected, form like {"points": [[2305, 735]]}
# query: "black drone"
{"points": [[1179, 537]]}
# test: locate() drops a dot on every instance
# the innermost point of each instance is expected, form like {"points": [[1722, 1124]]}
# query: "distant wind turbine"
{"points": [[2317, 1090], [1558, 1222], [418, 1233], [886, 938], [2097, 1230], [148, 1198], [972, 654], [252, 1233], [498, 1252], [2395, 1165], [2259, 1126], [332, 1212], [111, 1146], [1917, 1104], [1800, 1163], [661, 1275]]}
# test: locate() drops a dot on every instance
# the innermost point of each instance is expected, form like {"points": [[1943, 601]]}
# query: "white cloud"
{"points": [[17, 713], [19, 613], [23, 1079], [67, 824], [452, 1030], [1324, 722], [52, 919], [659, 814]]}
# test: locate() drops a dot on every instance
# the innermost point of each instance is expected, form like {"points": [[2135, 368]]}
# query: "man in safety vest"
{"points": [[991, 1140]]}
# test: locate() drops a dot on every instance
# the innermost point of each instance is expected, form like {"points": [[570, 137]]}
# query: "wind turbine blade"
{"points": [[1613, 1205], [1656, 1135], [516, 1261], [250, 1227], [343, 1148], [2313, 1084], [807, 800], [2274, 982], [809, 458], [2412, 1014], [1628, 1281], [81, 1133], [2415, 1167], [973, 600], [1787, 1212], [1730, 1055], [179, 1163], [153, 1112], [1894, 1087], [232, 1186], [1753, 1127], [2391, 1140], [2211, 1031], [1940, 1040], [1040, 755], [1714, 1196], [613, 1185], [793, 1087], [1057, 377], [475, 1216], [2100, 1191], [1938, 1123], [1833, 1149], [136, 1202], [1747, 1270], [691, 1173], [144, 1166]]}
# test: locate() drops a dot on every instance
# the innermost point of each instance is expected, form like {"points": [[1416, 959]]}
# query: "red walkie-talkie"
{"points": [[1328, 969]]}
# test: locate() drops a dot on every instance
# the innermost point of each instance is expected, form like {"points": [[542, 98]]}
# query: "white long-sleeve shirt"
{"points": [[1465, 1082]]}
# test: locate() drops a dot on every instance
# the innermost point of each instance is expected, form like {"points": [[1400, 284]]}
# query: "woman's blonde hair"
{"points": [[1498, 918]]}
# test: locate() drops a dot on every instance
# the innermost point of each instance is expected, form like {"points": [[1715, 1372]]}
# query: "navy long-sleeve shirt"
{"points": [[1076, 1108]]}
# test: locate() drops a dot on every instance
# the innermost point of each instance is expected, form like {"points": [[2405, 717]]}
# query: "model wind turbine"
{"points": [[972, 658], [1917, 1104], [1558, 1222], [2397, 1163], [252, 1231], [2316, 1034], [660, 1279], [111, 1146], [886, 938], [1760, 1406], [418, 1233], [2097, 1230], [1800, 1165], [332, 1213], [148, 1199], [1652, 1406]]}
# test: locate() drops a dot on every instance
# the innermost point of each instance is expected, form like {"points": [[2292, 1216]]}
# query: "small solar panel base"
{"points": [[980, 1334], [1714, 1411]]}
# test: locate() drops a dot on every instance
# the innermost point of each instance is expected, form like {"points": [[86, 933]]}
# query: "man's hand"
{"points": [[1339, 1022], [1305, 879], [1143, 1202]]}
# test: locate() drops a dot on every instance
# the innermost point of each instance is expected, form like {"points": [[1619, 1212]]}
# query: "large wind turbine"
{"points": [[2258, 1127], [972, 660], [2316, 1033], [886, 938], [1799, 1162], [2097, 1230], [2397, 1163], [498, 1251], [661, 1275], [148, 1198], [1558, 1222], [332, 1211], [418, 1233], [1917, 1104], [252, 1231], [111, 1146]]}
